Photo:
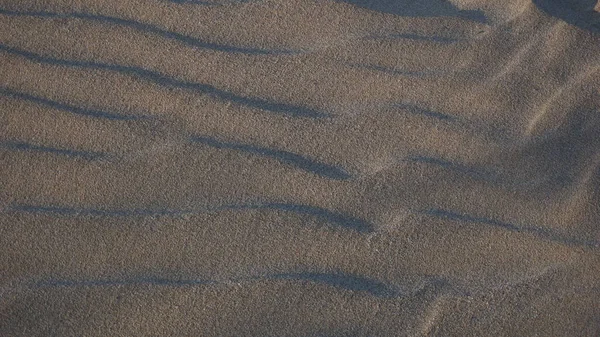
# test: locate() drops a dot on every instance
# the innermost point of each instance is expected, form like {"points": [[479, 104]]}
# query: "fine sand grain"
{"points": [[299, 168]]}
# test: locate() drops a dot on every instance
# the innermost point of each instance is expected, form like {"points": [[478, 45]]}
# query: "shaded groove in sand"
{"points": [[417, 110], [338, 280], [412, 8], [479, 127], [416, 37], [212, 3], [66, 107], [541, 232], [331, 217], [164, 80], [482, 173], [454, 166], [582, 17], [395, 72], [290, 158], [148, 28], [23, 146]]}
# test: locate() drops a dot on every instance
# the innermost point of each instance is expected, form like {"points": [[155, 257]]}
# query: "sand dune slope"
{"points": [[299, 168]]}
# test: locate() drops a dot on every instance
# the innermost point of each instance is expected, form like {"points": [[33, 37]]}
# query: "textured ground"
{"points": [[299, 168]]}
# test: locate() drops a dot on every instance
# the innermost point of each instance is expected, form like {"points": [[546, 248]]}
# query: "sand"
{"points": [[299, 168]]}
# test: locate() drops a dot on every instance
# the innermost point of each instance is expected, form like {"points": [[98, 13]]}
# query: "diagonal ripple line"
{"points": [[417, 37], [343, 220], [167, 81], [286, 157], [149, 28], [23, 146], [66, 107], [342, 281], [329, 216], [541, 232]]}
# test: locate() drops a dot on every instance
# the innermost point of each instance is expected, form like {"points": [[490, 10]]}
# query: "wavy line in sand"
{"points": [[66, 107], [343, 281], [538, 231], [332, 217], [286, 157], [213, 3], [479, 127], [481, 174], [417, 110], [394, 71], [492, 176], [340, 281], [412, 8], [28, 147], [164, 80], [149, 28], [545, 109], [415, 37]]}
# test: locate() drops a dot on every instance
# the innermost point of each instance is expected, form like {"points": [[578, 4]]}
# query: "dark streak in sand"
{"points": [[332, 217], [290, 158], [542, 232], [68, 108], [149, 28], [23, 146], [164, 80], [337, 280]]}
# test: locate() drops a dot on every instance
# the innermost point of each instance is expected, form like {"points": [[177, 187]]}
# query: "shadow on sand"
{"points": [[331, 217], [579, 13], [165, 81], [431, 8], [28, 147], [348, 282], [286, 157]]}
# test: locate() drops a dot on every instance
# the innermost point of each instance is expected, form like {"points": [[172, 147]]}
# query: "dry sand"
{"points": [[299, 168]]}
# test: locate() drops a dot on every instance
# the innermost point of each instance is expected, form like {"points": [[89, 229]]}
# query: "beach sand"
{"points": [[299, 168]]}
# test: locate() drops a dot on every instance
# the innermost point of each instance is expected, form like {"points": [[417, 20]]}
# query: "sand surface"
{"points": [[299, 168]]}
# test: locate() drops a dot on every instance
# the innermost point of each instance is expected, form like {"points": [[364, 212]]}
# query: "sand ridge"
{"points": [[299, 168]]}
